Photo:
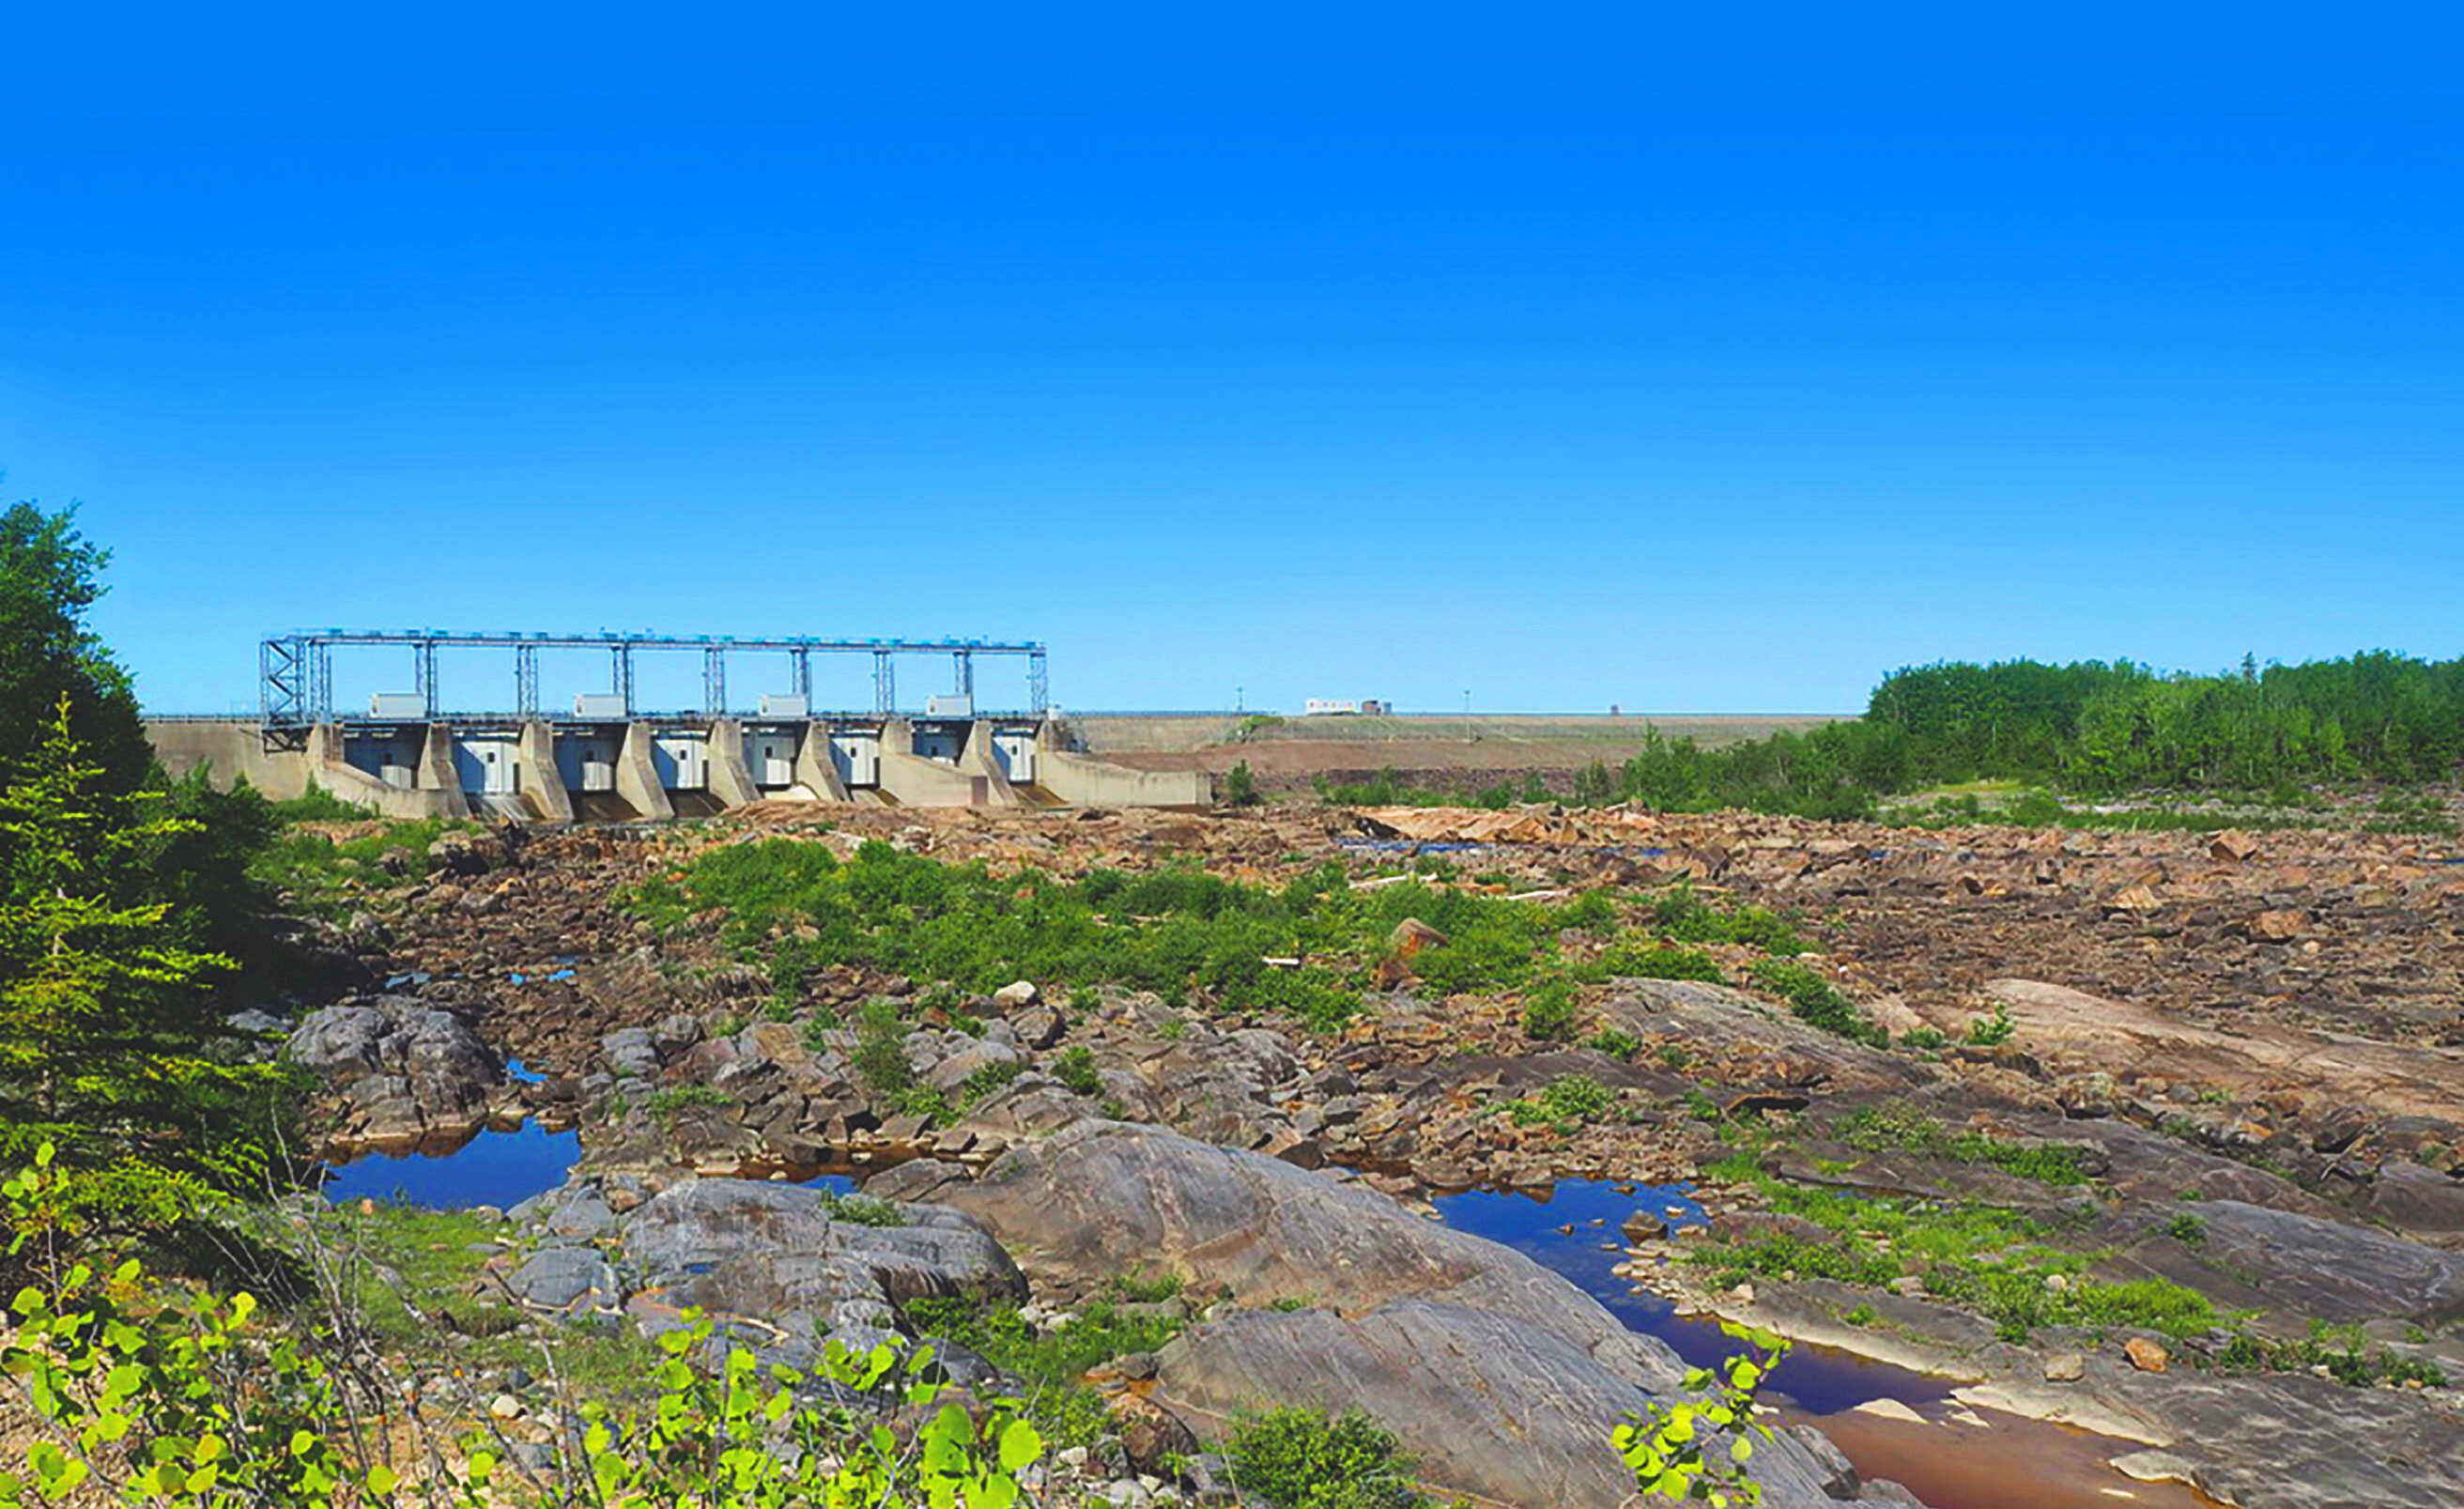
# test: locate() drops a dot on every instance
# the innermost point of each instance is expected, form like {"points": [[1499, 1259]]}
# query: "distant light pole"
{"points": [[1239, 706], [1467, 704]]}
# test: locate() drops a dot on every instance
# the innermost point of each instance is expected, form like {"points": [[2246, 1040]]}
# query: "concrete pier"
{"points": [[534, 768]]}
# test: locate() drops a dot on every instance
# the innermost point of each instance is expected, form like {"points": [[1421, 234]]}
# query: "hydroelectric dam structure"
{"points": [[522, 755]]}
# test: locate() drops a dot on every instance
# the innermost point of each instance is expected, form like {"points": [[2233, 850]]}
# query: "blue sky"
{"points": [[1709, 360]]}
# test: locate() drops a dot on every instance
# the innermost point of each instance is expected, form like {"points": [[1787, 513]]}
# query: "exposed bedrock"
{"points": [[1501, 1378]]}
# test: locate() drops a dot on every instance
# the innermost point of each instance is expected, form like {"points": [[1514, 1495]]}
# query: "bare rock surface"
{"points": [[777, 1260], [1503, 1378], [407, 1073]]}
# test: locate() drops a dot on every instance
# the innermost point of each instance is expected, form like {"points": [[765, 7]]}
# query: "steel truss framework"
{"points": [[295, 671]]}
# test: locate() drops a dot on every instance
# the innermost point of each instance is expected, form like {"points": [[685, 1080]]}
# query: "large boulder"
{"points": [[405, 1072], [1503, 1379], [778, 1266]]}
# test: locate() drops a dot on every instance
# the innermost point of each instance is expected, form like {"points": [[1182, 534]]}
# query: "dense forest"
{"points": [[2092, 727]]}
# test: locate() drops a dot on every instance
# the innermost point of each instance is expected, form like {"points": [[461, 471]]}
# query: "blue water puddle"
{"points": [[496, 1168], [834, 1183], [522, 1072], [1820, 1381]]}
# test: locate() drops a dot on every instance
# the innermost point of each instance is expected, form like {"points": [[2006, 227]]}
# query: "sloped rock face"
{"points": [[775, 1263], [1503, 1378], [2305, 1265], [405, 1073], [1490, 1405]]}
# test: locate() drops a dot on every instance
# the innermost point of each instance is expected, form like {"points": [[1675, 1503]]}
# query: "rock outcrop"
{"points": [[778, 1267], [407, 1074], [1503, 1379]]}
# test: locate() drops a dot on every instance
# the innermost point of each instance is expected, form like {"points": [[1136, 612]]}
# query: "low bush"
{"points": [[1549, 1014], [1302, 1460], [1658, 961], [1076, 1069], [1816, 1001]]}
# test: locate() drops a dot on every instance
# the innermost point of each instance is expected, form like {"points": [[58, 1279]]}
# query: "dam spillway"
{"points": [[412, 755]]}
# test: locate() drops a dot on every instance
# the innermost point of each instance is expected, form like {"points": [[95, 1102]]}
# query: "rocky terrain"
{"points": [[2242, 1058]]}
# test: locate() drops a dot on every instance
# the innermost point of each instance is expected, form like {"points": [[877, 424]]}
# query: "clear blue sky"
{"points": [[1707, 359]]}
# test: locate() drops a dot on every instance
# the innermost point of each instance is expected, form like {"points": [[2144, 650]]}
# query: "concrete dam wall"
{"points": [[560, 770]]}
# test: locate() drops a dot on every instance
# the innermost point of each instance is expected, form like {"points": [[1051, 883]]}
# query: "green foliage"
{"points": [[1178, 931], [1388, 789], [1863, 1315], [1302, 1460], [1816, 1001], [1052, 1361], [1697, 1450], [985, 1082], [50, 575], [673, 1099], [1683, 917], [862, 1209], [1995, 1262], [1549, 1012], [1658, 961], [2092, 727], [2188, 1229], [1992, 1031], [1615, 1043], [1076, 1069], [1575, 1099], [1924, 1039], [1901, 1126], [2340, 1355], [322, 872], [1241, 787], [108, 1049], [149, 1394], [880, 1059]]}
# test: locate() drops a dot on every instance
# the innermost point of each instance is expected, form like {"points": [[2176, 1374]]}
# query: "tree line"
{"points": [[2097, 728]]}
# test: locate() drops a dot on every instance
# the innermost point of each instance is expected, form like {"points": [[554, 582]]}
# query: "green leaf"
{"points": [[1020, 1446]]}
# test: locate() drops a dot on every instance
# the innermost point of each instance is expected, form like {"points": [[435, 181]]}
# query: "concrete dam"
{"points": [[599, 757]]}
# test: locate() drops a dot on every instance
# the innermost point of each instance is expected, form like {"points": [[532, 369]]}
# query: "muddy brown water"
{"points": [[1951, 1456]]}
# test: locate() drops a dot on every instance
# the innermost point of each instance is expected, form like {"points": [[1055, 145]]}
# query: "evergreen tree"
{"points": [[49, 577], [108, 1049]]}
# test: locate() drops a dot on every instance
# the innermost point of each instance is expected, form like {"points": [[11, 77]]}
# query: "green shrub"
{"points": [[987, 1081], [1697, 1448], [1241, 787], [1301, 1460], [1615, 1043], [1901, 1126], [1550, 1013], [1992, 1032], [1568, 1098], [862, 1209], [1816, 1001], [1076, 1069], [152, 1394], [675, 1099], [880, 1060], [1659, 962]]}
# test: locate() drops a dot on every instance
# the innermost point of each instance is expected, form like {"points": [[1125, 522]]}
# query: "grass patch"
{"points": [[430, 1257], [1900, 1127]]}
